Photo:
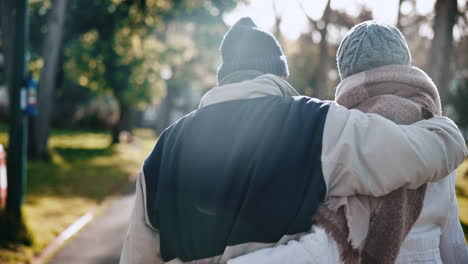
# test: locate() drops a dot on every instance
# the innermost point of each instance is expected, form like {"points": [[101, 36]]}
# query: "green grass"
{"points": [[83, 168], [462, 194]]}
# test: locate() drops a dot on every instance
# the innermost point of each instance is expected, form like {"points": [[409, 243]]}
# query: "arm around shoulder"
{"points": [[368, 154]]}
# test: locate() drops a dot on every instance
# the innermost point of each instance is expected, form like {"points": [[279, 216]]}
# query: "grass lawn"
{"points": [[462, 194], [82, 169]]}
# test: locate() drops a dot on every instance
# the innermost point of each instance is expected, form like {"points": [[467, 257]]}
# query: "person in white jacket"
{"points": [[249, 168], [373, 62]]}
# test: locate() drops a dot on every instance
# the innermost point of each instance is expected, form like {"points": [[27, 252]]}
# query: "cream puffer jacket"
{"points": [[436, 237]]}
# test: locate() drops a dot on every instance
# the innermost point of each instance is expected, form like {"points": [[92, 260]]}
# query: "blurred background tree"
{"points": [[124, 56], [127, 63], [127, 54]]}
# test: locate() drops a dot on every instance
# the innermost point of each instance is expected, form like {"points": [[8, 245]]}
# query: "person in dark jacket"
{"points": [[249, 168]]}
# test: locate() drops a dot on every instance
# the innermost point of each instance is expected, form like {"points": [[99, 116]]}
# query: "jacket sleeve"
{"points": [[142, 242], [316, 247], [453, 247], [367, 154]]}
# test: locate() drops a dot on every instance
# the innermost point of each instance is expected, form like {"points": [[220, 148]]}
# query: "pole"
{"points": [[16, 160]]}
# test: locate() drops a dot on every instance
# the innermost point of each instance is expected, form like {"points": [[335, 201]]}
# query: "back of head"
{"points": [[370, 45], [246, 47]]}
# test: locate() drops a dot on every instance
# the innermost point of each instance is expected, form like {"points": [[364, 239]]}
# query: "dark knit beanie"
{"points": [[246, 47], [370, 45]]}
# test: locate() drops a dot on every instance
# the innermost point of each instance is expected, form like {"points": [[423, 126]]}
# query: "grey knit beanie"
{"points": [[370, 45], [246, 47]]}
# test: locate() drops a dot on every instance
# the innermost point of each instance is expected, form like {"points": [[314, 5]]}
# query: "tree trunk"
{"points": [[51, 52], [14, 20], [277, 32], [8, 27], [441, 52], [277, 29], [399, 15], [167, 107], [322, 72], [124, 123]]}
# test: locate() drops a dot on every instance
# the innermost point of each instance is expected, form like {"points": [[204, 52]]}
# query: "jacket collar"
{"points": [[240, 76], [263, 85]]}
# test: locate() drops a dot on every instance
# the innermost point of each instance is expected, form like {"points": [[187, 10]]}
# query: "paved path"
{"points": [[100, 242]]}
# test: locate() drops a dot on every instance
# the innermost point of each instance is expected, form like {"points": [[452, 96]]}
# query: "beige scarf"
{"points": [[369, 229]]}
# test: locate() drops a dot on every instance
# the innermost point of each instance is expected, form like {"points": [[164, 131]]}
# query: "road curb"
{"points": [[69, 232], [67, 235]]}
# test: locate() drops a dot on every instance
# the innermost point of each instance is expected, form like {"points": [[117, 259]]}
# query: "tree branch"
{"points": [[312, 21]]}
